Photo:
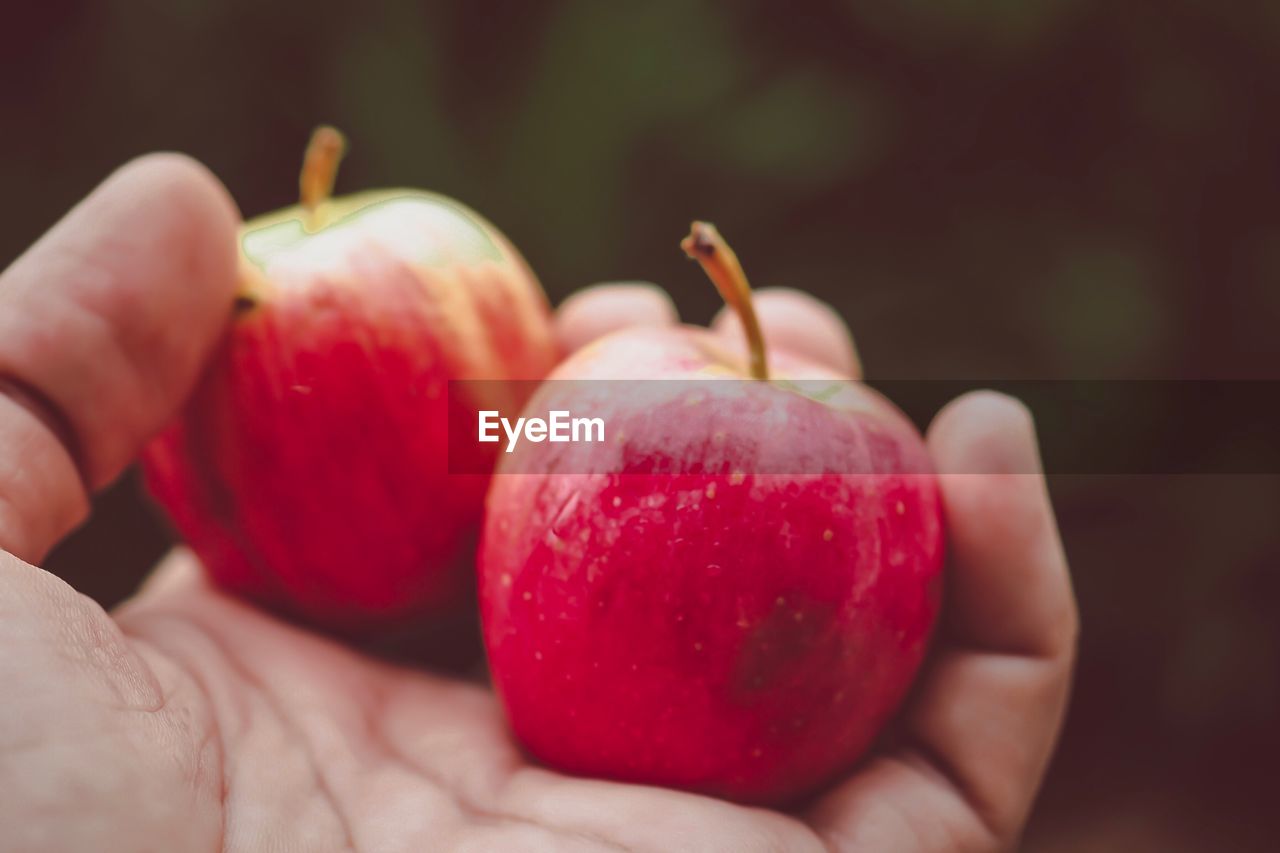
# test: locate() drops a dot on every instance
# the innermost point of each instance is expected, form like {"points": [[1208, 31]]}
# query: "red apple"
{"points": [[308, 470], [732, 593]]}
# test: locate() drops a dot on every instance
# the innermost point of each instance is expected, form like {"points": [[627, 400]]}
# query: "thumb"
{"points": [[104, 326]]}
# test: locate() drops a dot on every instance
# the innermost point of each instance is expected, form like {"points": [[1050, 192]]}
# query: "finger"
{"points": [[178, 572], [799, 324], [985, 716], [893, 803], [991, 708], [600, 309], [104, 324], [40, 493], [1010, 591]]}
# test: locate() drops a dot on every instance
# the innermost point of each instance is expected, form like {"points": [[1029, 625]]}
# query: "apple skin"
{"points": [[738, 634], [308, 470]]}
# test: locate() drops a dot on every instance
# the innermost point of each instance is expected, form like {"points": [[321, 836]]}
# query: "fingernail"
{"points": [[1006, 439]]}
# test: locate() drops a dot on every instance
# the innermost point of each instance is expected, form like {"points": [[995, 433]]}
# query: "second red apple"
{"points": [[733, 592]]}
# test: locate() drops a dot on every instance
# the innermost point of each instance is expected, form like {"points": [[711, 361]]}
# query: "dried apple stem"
{"points": [[319, 169], [705, 245]]}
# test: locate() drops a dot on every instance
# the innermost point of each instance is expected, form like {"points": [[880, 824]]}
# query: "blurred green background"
{"points": [[985, 190]]}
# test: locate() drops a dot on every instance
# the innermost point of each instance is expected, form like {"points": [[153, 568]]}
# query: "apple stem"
{"points": [[705, 245], [320, 169]]}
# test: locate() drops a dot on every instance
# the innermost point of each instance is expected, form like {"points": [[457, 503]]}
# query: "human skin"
{"points": [[187, 720]]}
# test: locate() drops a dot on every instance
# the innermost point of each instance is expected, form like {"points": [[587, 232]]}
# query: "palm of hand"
{"points": [[191, 721], [263, 734], [221, 728]]}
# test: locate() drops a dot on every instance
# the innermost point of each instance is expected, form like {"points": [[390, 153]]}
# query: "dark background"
{"points": [[1027, 189]]}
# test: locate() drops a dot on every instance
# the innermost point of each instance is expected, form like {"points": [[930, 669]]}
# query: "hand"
{"points": [[189, 721]]}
